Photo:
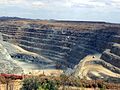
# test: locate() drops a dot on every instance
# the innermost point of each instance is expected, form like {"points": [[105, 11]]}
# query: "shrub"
{"points": [[103, 88], [48, 85], [36, 83], [31, 84]]}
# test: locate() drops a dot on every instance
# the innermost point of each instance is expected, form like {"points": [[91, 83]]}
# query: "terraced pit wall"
{"points": [[112, 55], [64, 47]]}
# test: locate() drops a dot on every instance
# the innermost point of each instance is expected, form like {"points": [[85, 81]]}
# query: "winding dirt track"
{"points": [[83, 68]]}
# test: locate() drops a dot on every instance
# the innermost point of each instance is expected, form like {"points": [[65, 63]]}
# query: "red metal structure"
{"points": [[12, 76]]}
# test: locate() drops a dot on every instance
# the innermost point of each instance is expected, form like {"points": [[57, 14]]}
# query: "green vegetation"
{"points": [[30, 84], [34, 83], [43, 82], [103, 87], [53, 83], [47, 85]]}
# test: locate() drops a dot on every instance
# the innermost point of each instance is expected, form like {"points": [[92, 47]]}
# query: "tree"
{"points": [[31, 84], [48, 85], [36, 83]]}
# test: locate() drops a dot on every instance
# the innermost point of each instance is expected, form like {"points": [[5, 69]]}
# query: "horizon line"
{"points": [[60, 20]]}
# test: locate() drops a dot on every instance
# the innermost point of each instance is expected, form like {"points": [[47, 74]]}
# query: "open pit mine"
{"points": [[82, 49]]}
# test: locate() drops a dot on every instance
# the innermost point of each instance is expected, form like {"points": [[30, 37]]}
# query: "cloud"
{"points": [[116, 3], [86, 3], [38, 4], [11, 1], [108, 3], [63, 9], [65, 3]]}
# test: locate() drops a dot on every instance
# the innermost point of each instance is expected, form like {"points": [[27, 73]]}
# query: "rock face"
{"points": [[6, 62], [60, 44], [64, 47], [108, 64], [112, 55]]}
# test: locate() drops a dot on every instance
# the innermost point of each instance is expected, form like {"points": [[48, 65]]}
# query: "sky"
{"points": [[80, 10]]}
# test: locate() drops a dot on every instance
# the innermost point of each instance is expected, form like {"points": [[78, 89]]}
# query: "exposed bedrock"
{"points": [[112, 55], [106, 65], [21, 57], [6, 62], [116, 38], [64, 47], [92, 67], [115, 49], [111, 58], [30, 58]]}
